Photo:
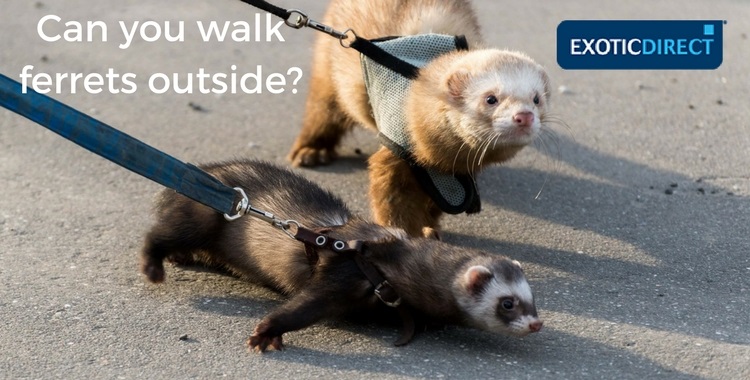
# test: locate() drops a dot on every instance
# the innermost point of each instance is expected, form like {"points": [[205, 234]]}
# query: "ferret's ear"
{"points": [[518, 264], [476, 278], [457, 84], [547, 92]]}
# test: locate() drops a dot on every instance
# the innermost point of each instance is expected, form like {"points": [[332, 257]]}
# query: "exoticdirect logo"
{"points": [[639, 45]]}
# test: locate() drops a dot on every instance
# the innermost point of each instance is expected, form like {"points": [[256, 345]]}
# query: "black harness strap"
{"points": [[316, 239], [384, 58], [388, 295], [472, 203]]}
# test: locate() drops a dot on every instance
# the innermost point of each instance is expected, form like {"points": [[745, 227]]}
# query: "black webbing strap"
{"points": [[117, 146], [270, 8], [471, 204], [377, 54], [385, 292]]}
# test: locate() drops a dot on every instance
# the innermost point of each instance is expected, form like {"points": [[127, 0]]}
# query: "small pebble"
{"points": [[196, 107], [44, 58], [357, 151], [702, 191], [184, 337], [668, 192], [720, 102], [673, 185], [730, 193], [690, 106]]}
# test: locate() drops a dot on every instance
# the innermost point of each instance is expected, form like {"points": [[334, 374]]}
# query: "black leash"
{"points": [[270, 8], [297, 19]]}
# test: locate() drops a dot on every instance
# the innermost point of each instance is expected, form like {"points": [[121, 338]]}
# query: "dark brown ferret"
{"points": [[465, 110], [441, 283]]}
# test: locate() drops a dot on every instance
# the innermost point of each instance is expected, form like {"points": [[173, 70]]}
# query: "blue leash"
{"points": [[122, 149]]}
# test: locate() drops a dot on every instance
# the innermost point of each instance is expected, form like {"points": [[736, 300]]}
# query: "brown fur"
{"points": [[338, 100]]}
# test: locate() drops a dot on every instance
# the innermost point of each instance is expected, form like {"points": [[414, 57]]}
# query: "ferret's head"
{"points": [[501, 95], [495, 296]]}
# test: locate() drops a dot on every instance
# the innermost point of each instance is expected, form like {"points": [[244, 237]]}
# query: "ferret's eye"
{"points": [[536, 99], [507, 303], [491, 99]]}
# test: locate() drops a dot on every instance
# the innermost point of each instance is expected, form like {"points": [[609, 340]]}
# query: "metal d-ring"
{"points": [[345, 36], [285, 226], [241, 208]]}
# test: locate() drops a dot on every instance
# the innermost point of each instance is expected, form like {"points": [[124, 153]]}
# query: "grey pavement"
{"points": [[632, 282]]}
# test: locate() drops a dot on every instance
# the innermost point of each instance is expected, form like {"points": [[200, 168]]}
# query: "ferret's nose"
{"points": [[535, 326], [524, 118]]}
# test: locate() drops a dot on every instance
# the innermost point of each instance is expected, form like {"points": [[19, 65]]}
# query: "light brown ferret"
{"points": [[465, 110]]}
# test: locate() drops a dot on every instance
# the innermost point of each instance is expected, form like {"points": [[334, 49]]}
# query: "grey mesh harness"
{"points": [[387, 87]]}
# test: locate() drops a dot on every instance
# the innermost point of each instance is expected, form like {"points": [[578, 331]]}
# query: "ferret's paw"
{"points": [[154, 270], [431, 233], [260, 341], [309, 156]]}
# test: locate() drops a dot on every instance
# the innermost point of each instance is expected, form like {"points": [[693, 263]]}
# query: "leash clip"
{"points": [[298, 19], [242, 206]]}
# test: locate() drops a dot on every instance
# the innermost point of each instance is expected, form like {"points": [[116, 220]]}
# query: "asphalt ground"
{"points": [[631, 218]]}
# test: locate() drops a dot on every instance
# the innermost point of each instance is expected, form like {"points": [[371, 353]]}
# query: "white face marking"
{"points": [[522, 291], [515, 85], [483, 311]]}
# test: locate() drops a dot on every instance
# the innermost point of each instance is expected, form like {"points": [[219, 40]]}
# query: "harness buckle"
{"points": [[382, 291]]}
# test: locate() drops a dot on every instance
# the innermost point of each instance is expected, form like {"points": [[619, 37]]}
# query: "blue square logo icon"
{"points": [[708, 30]]}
